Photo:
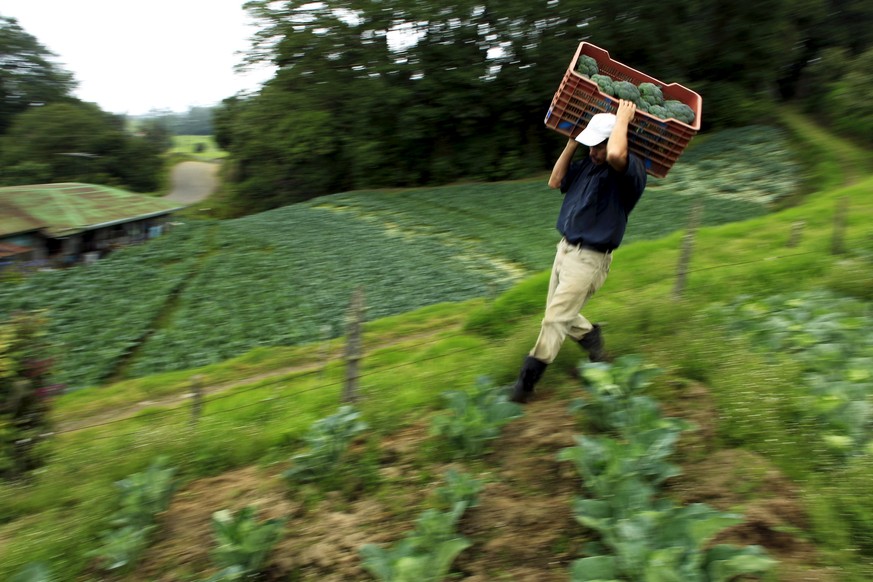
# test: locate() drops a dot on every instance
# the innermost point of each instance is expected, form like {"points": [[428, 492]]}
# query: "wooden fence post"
{"points": [[353, 345], [196, 398], [326, 333], [687, 248], [837, 244], [796, 233]]}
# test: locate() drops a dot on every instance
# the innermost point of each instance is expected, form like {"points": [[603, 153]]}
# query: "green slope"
{"points": [[757, 400], [284, 277]]}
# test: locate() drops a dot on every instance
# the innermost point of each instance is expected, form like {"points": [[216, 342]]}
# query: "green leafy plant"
{"points": [[122, 546], [25, 393], [474, 418], [607, 465], [667, 543], [328, 441], [611, 390], [830, 336], [643, 537], [37, 572], [242, 542], [424, 555], [143, 496], [459, 488]]}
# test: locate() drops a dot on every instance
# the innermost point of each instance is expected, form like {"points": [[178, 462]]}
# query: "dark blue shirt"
{"points": [[598, 201]]}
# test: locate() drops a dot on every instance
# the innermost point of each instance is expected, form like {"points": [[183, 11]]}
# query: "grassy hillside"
{"points": [[284, 277], [759, 446]]}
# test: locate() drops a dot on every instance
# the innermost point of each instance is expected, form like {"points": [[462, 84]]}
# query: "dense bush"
{"points": [[25, 391]]}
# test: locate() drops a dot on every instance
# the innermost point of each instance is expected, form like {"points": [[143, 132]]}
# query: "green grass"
{"points": [[428, 324], [197, 147], [831, 161], [56, 517]]}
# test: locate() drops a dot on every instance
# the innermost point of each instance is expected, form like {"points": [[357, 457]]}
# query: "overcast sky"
{"points": [[134, 56]]}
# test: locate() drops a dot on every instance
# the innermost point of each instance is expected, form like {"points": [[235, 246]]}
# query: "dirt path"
{"points": [[193, 182]]}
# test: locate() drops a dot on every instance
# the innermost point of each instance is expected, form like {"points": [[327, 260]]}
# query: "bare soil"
{"points": [[522, 530]]}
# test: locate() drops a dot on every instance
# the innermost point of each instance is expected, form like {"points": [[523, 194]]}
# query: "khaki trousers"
{"points": [[576, 275]]}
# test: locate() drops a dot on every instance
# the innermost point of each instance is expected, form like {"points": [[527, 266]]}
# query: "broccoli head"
{"points": [[651, 94], [627, 90], [604, 83], [680, 111], [659, 111], [586, 66]]}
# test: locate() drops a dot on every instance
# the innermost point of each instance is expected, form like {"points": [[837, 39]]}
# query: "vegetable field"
{"points": [[209, 291]]}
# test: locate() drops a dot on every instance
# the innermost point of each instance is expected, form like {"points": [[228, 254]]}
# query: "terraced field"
{"points": [[284, 277]]}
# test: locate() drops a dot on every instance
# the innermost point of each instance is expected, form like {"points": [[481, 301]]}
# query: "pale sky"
{"points": [[133, 56]]}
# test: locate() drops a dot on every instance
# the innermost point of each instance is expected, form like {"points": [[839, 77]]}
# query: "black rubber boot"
{"points": [[592, 342], [531, 371]]}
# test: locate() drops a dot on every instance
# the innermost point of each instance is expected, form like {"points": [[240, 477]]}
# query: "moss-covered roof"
{"points": [[65, 209], [13, 220]]}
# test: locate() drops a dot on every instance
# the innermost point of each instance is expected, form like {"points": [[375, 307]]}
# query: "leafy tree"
{"points": [[405, 92], [195, 121], [157, 133], [847, 104], [223, 118], [77, 142], [27, 75]]}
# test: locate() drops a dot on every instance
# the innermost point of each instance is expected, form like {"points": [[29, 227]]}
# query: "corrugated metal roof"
{"points": [[65, 209], [14, 221]]}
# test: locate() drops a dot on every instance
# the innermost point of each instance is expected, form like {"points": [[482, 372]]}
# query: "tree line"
{"points": [[48, 135], [194, 121], [404, 92], [395, 93]]}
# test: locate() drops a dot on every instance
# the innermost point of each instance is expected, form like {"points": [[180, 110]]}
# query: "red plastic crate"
{"points": [[659, 142]]}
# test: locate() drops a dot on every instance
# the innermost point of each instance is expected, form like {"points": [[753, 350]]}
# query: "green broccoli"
{"points": [[627, 90], [651, 94], [587, 66], [659, 111], [605, 84], [680, 111]]}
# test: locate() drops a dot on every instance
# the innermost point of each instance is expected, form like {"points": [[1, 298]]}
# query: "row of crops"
{"points": [[635, 532], [284, 277], [281, 277], [99, 313], [831, 339]]}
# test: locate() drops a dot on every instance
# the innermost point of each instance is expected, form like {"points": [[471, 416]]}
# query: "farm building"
{"points": [[61, 224]]}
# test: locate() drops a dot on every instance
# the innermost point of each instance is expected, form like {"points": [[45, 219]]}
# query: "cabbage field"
{"points": [[208, 290]]}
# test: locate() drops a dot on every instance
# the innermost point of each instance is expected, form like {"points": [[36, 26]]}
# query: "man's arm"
{"points": [[563, 164], [616, 147]]}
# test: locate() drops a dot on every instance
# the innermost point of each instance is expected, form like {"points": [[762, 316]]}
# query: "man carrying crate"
{"points": [[600, 192]]}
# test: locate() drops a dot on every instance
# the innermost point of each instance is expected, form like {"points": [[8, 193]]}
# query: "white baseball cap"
{"points": [[598, 129]]}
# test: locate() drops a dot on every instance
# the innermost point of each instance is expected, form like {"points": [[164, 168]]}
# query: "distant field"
{"points": [[284, 277], [201, 147]]}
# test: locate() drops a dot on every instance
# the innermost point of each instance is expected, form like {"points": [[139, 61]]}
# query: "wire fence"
{"points": [[285, 379]]}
